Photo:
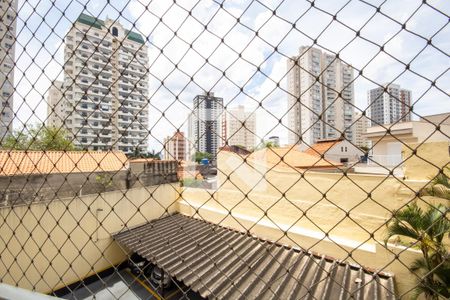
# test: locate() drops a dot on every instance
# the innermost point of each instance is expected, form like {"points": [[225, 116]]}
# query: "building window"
{"points": [[115, 31]]}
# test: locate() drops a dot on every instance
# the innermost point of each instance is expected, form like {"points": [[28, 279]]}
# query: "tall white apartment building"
{"points": [[205, 124], [361, 125], [321, 97], [241, 127], [56, 105], [8, 15], [389, 104], [106, 85]]}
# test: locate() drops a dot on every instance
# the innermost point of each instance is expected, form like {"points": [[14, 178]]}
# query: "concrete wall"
{"points": [[65, 241], [20, 189], [429, 159]]}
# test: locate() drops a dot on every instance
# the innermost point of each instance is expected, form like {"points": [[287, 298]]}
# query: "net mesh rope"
{"points": [[59, 216]]}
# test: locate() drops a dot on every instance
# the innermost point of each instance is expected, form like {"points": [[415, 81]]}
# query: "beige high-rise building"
{"points": [[106, 83], [361, 125], [8, 12], [241, 127], [56, 110], [175, 147], [323, 108]]}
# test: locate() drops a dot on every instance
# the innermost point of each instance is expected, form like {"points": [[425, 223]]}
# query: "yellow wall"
{"points": [[52, 226], [430, 158], [325, 198], [286, 200], [306, 205]]}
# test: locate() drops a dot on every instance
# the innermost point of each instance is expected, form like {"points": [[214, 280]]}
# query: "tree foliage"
{"points": [[427, 230], [198, 156], [266, 144], [42, 138], [138, 154]]}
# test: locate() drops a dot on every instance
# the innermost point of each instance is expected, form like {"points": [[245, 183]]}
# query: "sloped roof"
{"points": [[221, 263], [291, 157], [99, 24], [91, 21], [49, 162], [320, 148], [236, 149], [134, 36]]}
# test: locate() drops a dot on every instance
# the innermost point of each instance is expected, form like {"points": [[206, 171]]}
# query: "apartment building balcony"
{"points": [[95, 67], [100, 118], [92, 76], [136, 64], [132, 129], [92, 44], [91, 133], [126, 85], [95, 93], [131, 77], [103, 42], [140, 71], [90, 58], [98, 126], [123, 123], [139, 108], [127, 143], [131, 96]]}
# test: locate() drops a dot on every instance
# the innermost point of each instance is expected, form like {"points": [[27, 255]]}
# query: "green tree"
{"points": [[105, 181], [153, 154], [38, 138], [427, 230], [17, 140], [198, 156], [364, 148], [266, 144]]}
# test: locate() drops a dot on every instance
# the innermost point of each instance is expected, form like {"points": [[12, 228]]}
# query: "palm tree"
{"points": [[435, 280], [427, 230], [439, 187]]}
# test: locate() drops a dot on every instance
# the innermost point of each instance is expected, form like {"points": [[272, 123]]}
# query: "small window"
{"points": [[115, 31]]}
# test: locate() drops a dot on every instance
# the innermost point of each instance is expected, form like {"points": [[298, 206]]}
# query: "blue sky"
{"points": [[42, 25]]}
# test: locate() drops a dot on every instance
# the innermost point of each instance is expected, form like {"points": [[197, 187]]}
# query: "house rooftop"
{"points": [[14, 162], [322, 146], [223, 263], [291, 157]]}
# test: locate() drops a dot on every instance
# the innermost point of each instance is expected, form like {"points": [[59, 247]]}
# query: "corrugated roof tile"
{"points": [[222, 263]]}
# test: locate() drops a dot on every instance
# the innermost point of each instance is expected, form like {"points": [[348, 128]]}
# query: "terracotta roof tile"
{"points": [[47, 162], [292, 158], [320, 148]]}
